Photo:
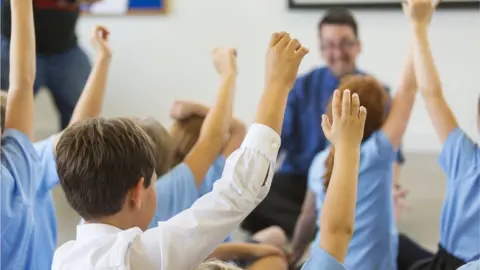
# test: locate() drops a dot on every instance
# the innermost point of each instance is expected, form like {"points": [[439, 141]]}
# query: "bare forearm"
{"points": [[232, 251], [271, 108], [426, 72], [219, 117], [91, 100], [19, 113], [304, 231], [338, 212]]}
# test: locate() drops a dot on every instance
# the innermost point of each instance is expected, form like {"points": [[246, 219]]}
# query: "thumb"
{"points": [[326, 126], [300, 53]]}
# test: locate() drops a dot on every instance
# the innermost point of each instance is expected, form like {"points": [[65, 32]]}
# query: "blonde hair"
{"points": [[217, 265], [161, 138], [184, 134]]}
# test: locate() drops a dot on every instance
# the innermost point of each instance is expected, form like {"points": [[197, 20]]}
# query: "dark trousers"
{"points": [[410, 253], [64, 74], [442, 260], [281, 207]]}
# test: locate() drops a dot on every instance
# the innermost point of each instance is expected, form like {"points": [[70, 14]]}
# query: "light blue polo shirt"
{"points": [[475, 265], [374, 244], [460, 221], [320, 260], [176, 190], [28, 231]]}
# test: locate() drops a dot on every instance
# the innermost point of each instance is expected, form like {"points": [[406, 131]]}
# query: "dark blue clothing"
{"points": [[302, 136]]}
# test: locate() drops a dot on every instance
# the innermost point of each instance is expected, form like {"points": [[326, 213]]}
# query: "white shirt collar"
{"points": [[86, 232]]}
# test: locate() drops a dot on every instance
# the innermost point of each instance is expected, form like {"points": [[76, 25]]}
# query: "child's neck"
{"points": [[119, 220]]}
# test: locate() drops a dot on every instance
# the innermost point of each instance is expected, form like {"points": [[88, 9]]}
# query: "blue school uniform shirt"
{"points": [[176, 190], [374, 244], [475, 265], [28, 227], [460, 220], [320, 260], [302, 136]]}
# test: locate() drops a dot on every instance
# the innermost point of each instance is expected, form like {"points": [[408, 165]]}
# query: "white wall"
{"points": [[161, 58]]}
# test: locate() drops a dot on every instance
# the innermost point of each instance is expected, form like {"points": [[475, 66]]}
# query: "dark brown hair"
{"points": [[184, 135], [339, 16], [373, 97], [162, 141], [100, 160]]}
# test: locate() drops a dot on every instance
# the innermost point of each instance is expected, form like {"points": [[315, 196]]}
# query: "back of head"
{"points": [[184, 135], [99, 161], [3, 109], [373, 97], [217, 265], [162, 142]]}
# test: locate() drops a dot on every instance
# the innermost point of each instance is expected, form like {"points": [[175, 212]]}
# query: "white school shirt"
{"points": [[184, 241]]}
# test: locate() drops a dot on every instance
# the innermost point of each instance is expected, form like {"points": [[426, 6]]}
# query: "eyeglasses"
{"points": [[344, 45]]}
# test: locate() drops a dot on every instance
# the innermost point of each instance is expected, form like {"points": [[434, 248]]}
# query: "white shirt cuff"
{"points": [[264, 139]]}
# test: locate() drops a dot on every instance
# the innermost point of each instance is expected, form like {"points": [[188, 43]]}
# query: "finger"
{"points": [[336, 106], [300, 53], [346, 103], [326, 126], [362, 115], [276, 38], [355, 104], [293, 45], [283, 42]]}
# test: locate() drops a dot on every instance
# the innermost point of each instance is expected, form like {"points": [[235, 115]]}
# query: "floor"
{"points": [[421, 175]]}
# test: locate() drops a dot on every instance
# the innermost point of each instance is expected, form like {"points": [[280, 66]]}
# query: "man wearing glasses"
{"points": [[302, 137]]}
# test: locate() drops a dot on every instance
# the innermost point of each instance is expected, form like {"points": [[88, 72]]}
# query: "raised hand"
{"points": [[420, 11], [283, 59], [99, 40], [182, 109], [225, 61], [348, 120]]}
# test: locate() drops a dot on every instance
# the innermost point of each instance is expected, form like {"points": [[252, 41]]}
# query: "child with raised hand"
{"points": [[22, 245], [338, 212], [374, 244], [459, 159], [107, 170]]}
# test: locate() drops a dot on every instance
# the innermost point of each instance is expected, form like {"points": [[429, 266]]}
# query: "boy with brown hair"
{"points": [[106, 168]]}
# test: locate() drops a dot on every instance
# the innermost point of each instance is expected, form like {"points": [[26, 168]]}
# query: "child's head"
{"points": [[3, 109], [162, 142], [184, 134], [106, 169], [373, 97], [217, 265]]}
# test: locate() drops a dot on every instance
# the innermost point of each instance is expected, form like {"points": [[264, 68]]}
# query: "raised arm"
{"points": [[19, 112], [91, 101], [338, 211], [218, 120], [443, 120], [402, 104], [246, 178]]}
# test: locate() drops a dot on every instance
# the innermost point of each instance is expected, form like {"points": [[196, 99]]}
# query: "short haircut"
{"points": [[185, 134], [3, 109], [162, 141], [339, 16], [99, 161]]}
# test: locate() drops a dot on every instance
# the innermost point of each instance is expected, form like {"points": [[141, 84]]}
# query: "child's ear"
{"points": [[136, 193]]}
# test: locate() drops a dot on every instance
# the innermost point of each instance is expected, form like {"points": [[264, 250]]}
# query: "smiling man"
{"points": [[62, 66], [302, 137]]}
